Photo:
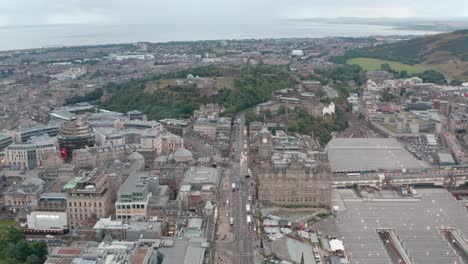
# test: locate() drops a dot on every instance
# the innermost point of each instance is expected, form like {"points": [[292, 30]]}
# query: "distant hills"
{"points": [[447, 53], [411, 23]]}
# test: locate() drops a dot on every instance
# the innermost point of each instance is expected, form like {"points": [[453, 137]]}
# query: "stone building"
{"points": [[292, 177], [89, 198], [24, 194], [96, 156], [53, 202]]}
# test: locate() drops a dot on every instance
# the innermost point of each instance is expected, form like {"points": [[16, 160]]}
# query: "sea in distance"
{"points": [[26, 37]]}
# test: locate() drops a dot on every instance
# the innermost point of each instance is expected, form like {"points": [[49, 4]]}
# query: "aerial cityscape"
{"points": [[326, 132]]}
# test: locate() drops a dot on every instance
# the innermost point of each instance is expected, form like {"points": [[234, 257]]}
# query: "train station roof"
{"points": [[418, 222], [370, 154]]}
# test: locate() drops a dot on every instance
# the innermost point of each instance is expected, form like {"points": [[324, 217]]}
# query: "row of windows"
{"points": [[124, 216], [130, 195], [90, 204], [16, 202], [297, 199], [85, 216], [128, 206], [84, 210], [283, 192]]}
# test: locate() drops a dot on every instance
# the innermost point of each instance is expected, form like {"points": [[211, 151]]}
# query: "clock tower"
{"points": [[265, 148]]}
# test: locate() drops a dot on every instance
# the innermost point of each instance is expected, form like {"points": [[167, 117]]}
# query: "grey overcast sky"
{"points": [[39, 12]]}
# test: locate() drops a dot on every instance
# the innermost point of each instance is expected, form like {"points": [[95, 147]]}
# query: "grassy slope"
{"points": [[446, 53], [7, 223], [370, 64]]}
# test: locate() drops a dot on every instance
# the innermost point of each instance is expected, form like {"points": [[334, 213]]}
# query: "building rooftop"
{"points": [[29, 189], [134, 112], [446, 158], [107, 223], [72, 183], [135, 183], [37, 127], [108, 131], [63, 114], [4, 136], [369, 154], [53, 195], [417, 221], [174, 122], [145, 230], [292, 250], [202, 175], [40, 139], [195, 223], [184, 251], [183, 155]]}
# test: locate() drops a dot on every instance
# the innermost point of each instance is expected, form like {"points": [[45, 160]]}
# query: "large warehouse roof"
{"points": [[368, 154], [416, 221]]}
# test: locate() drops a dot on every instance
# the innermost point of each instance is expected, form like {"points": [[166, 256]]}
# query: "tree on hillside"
{"points": [[431, 76], [386, 67], [15, 249]]}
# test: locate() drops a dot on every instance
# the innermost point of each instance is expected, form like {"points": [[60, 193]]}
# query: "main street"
{"points": [[241, 229], [239, 245]]}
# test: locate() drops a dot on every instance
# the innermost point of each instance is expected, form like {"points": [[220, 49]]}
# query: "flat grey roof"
{"points": [[144, 226], [4, 136], [446, 158], [368, 154], [184, 251], [416, 222], [202, 175], [54, 195], [134, 184]]}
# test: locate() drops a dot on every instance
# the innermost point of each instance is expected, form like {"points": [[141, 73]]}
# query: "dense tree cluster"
{"points": [[343, 73], [14, 249], [252, 90], [89, 97], [428, 76], [319, 127], [431, 76], [386, 96], [181, 101], [177, 102]]}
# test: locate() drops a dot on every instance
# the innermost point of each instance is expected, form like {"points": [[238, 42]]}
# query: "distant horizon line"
{"points": [[260, 21]]}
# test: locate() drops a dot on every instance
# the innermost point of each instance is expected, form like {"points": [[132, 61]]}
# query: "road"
{"points": [[244, 234]]}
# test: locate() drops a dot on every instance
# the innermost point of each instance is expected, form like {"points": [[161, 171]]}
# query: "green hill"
{"points": [[447, 53]]}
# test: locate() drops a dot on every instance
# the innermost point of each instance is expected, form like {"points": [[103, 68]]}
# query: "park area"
{"points": [[7, 223], [370, 64]]}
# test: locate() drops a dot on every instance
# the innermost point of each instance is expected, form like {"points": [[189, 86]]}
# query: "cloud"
{"points": [[34, 12]]}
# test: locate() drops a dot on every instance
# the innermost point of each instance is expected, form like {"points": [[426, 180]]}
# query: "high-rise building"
{"points": [[74, 134]]}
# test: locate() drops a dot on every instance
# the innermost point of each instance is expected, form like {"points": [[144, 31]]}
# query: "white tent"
{"points": [[336, 245]]}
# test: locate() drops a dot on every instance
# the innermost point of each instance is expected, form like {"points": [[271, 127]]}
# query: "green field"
{"points": [[7, 223], [369, 64]]}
